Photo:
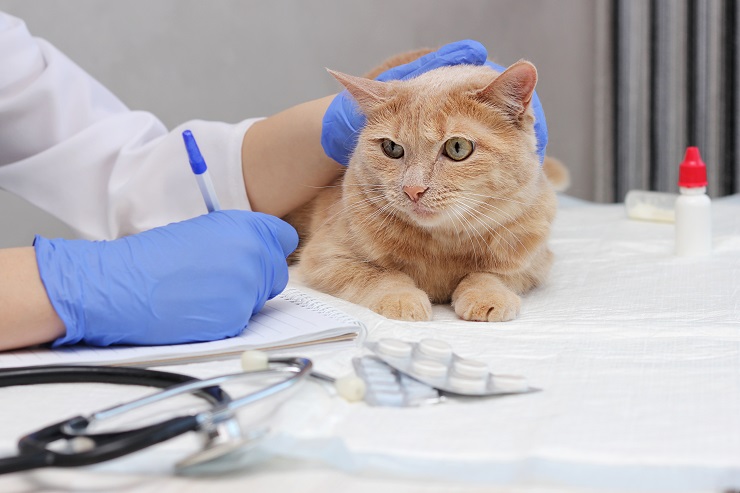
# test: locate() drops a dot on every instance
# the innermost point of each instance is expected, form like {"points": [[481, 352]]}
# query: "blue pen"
{"points": [[198, 164]]}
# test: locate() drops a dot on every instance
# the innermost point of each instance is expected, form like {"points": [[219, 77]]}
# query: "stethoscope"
{"points": [[71, 443]]}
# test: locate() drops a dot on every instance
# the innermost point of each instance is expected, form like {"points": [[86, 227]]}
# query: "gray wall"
{"points": [[232, 59]]}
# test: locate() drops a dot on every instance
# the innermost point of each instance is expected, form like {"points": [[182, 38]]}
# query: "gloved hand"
{"points": [[343, 120], [196, 280]]}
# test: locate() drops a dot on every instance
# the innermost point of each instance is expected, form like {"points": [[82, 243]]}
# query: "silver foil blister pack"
{"points": [[433, 362], [385, 386]]}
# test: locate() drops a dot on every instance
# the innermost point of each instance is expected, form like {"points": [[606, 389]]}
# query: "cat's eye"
{"points": [[391, 149], [458, 148]]}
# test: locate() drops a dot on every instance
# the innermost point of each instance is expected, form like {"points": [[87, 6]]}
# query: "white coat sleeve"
{"points": [[72, 148]]}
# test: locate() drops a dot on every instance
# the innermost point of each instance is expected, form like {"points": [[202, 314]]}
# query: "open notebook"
{"points": [[289, 320]]}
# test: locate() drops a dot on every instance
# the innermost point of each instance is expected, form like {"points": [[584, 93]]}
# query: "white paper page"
{"points": [[291, 319]]}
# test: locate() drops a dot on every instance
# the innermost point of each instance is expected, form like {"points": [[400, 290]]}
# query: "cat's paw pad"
{"points": [[487, 306], [412, 305]]}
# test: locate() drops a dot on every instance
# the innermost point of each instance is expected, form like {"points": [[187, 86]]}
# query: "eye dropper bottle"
{"points": [[693, 207]]}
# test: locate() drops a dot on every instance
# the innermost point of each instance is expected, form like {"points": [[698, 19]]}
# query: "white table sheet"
{"points": [[637, 352]]}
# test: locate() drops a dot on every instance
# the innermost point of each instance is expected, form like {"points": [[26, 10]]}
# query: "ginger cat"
{"points": [[444, 198]]}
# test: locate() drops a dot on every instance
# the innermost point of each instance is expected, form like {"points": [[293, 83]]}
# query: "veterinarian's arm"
{"points": [[27, 317], [283, 161]]}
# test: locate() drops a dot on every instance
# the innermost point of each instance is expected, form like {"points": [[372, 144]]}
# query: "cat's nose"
{"points": [[415, 193]]}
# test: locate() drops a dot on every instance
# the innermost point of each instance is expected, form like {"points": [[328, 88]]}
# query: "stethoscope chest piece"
{"points": [[226, 447]]}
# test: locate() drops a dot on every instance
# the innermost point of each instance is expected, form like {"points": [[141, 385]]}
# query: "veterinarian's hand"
{"points": [[343, 121], [540, 125], [196, 280]]}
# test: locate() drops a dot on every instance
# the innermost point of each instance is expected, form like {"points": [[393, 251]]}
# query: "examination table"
{"points": [[637, 353]]}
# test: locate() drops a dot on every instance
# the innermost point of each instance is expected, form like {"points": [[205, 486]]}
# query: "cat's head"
{"points": [[436, 147]]}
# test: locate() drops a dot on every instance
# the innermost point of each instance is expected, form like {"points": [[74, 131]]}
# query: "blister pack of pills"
{"points": [[433, 363], [386, 386]]}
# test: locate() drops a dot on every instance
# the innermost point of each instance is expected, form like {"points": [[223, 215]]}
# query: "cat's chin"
{"points": [[423, 216]]}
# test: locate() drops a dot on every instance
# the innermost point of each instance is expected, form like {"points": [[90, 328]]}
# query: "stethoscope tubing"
{"points": [[32, 449], [55, 374], [94, 448]]}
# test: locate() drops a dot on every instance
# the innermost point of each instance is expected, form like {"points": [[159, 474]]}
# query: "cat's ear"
{"points": [[368, 93], [514, 88]]}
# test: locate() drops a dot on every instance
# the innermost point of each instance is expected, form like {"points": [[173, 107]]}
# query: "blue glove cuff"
{"points": [[64, 290]]}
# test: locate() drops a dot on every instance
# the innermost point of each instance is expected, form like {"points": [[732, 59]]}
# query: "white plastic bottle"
{"points": [[693, 207]]}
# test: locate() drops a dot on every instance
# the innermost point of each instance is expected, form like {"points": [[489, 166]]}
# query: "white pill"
{"points": [[510, 383], [470, 368], [394, 347], [429, 368], [435, 349], [350, 387], [465, 384], [254, 360]]}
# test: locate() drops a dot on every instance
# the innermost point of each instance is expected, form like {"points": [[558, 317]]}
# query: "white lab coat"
{"points": [[72, 148]]}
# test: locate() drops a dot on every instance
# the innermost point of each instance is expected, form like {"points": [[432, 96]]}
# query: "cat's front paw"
{"points": [[496, 305], [409, 304]]}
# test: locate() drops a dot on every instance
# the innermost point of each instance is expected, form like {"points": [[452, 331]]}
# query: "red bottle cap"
{"points": [[693, 171]]}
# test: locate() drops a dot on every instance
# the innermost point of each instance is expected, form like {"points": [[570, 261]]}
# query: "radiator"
{"points": [[667, 77]]}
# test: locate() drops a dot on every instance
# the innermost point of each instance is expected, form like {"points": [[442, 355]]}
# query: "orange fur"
{"points": [[396, 235], [557, 173]]}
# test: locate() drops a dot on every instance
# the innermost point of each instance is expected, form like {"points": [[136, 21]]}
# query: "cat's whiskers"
{"points": [[493, 208], [473, 241], [368, 198], [366, 220], [499, 224], [487, 228]]}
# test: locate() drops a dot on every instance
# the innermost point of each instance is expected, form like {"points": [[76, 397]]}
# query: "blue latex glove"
{"points": [[343, 119], [196, 280]]}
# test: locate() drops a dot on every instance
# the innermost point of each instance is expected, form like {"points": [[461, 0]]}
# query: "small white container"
{"points": [[693, 222]]}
